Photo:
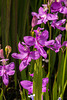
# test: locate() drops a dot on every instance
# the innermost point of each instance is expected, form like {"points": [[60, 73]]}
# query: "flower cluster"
{"points": [[58, 7], [39, 42], [43, 16], [6, 69], [29, 85]]}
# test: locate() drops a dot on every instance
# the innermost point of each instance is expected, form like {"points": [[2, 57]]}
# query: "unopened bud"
{"points": [[66, 26], [32, 33], [8, 50]]}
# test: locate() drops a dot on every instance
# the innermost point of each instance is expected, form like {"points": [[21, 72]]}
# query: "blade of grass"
{"points": [[23, 6], [64, 68], [8, 6], [55, 91], [60, 71], [3, 21], [13, 34], [63, 89]]}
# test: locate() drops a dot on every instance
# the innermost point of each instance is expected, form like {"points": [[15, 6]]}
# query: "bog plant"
{"points": [[41, 44]]}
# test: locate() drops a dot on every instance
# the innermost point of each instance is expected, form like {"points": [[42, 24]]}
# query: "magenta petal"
{"points": [[38, 30], [45, 33], [58, 39], [4, 60], [1, 73], [44, 89], [53, 24], [11, 72], [63, 10], [45, 81], [61, 28], [19, 56], [50, 42], [29, 40], [52, 17], [41, 10], [34, 55], [28, 59], [32, 74], [41, 40], [5, 79], [26, 84], [1, 53], [43, 37], [35, 14], [60, 22], [10, 66], [55, 6], [23, 65], [34, 21], [57, 50], [1, 67], [22, 49], [45, 20], [41, 51], [40, 21], [30, 90], [64, 43]]}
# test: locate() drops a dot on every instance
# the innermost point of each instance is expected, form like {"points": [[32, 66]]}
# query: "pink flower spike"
{"points": [[1, 53]]}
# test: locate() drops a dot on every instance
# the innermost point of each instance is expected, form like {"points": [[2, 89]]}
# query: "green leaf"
{"points": [[1, 95], [55, 90], [37, 81]]}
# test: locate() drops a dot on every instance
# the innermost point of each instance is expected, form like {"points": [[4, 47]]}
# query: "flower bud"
{"points": [[7, 50], [32, 33], [66, 26]]}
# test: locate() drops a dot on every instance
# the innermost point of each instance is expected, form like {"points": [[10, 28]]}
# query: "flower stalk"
{"points": [[37, 81]]}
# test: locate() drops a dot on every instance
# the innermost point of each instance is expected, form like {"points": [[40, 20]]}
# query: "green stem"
{"points": [[37, 82]]}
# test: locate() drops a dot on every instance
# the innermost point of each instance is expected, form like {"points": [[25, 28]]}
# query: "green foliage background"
{"points": [[15, 23]]}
